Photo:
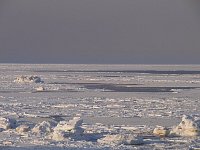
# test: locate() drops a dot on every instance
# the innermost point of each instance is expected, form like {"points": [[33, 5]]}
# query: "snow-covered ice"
{"points": [[187, 127], [99, 106], [121, 139], [43, 127], [23, 128], [7, 123], [28, 79], [40, 88], [161, 131], [71, 125]]}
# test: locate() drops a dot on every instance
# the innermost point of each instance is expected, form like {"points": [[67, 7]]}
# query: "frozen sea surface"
{"points": [[111, 99]]}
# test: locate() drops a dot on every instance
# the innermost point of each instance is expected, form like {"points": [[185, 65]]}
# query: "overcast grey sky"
{"points": [[100, 31]]}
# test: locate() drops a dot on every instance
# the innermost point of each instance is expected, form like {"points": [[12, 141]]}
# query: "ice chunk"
{"points": [[7, 123], [28, 79], [59, 135], [161, 131], [42, 128], [70, 125], [66, 129], [187, 127], [22, 128], [121, 139], [40, 88], [7, 143]]}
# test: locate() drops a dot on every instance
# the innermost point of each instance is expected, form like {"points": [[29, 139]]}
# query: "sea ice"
{"points": [[68, 128], [161, 131], [58, 135], [28, 79], [22, 128], [118, 139], [7, 123], [39, 89], [71, 125], [66, 94], [7, 143], [187, 127], [43, 128]]}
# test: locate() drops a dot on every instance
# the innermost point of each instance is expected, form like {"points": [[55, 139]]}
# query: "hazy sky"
{"points": [[100, 31]]}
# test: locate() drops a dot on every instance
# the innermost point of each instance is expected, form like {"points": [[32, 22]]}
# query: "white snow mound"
{"points": [[187, 127], [118, 139], [28, 79]]}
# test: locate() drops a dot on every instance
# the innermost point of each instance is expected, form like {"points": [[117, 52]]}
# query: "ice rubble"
{"points": [[161, 131], [28, 79], [7, 123], [187, 127], [23, 128], [43, 128], [121, 139], [67, 128], [72, 129], [39, 89], [59, 135], [57, 132], [71, 125]]}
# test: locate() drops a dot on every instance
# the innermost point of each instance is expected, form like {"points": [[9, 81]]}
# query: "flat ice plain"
{"points": [[111, 100]]}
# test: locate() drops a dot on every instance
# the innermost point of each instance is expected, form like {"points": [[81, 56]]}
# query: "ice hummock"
{"points": [[7, 123], [43, 127], [22, 128], [66, 129], [40, 89], [161, 131], [187, 127], [28, 79]]}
